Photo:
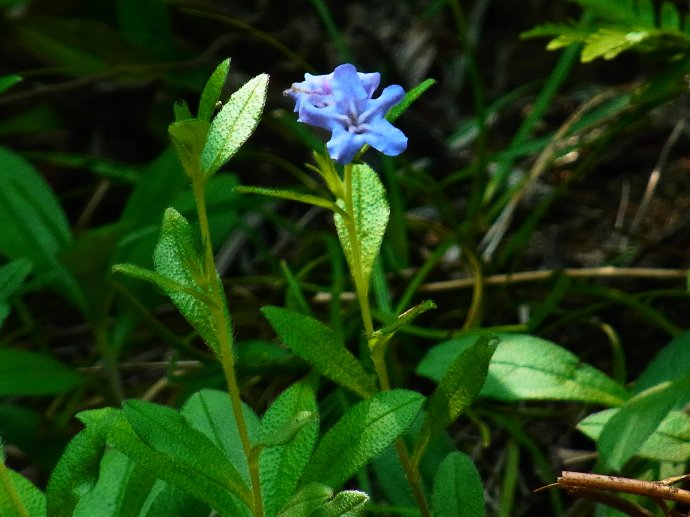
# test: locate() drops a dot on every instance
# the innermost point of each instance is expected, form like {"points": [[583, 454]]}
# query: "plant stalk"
{"points": [[225, 340], [378, 353]]}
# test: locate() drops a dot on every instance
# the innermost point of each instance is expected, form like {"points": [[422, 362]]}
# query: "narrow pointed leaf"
{"points": [[669, 442], [458, 388], [362, 434], [210, 412], [178, 257], [636, 420], [25, 373], [166, 431], [164, 283], [526, 367], [39, 229], [318, 345], [208, 486], [289, 194], [371, 213], [458, 489], [281, 466], [409, 98], [234, 124], [213, 90], [348, 503], [8, 81], [188, 137]]}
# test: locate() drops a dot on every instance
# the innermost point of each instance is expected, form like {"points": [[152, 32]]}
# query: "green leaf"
{"points": [[188, 138], [213, 90], [12, 276], [25, 373], [361, 434], [636, 420], [184, 471], [166, 431], [77, 471], [79, 46], [382, 336], [669, 364], [458, 489], [166, 284], [458, 388], [8, 81], [39, 229], [281, 466], [348, 503], [31, 499], [178, 257], [319, 346], [289, 194], [608, 42], [121, 489], [309, 498], [165, 500], [669, 442], [210, 412], [526, 367], [371, 213], [234, 123], [409, 98]]}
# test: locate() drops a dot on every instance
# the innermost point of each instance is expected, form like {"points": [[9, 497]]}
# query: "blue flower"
{"points": [[342, 103]]}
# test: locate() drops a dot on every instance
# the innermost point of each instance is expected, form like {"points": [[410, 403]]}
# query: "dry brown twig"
{"points": [[602, 488]]}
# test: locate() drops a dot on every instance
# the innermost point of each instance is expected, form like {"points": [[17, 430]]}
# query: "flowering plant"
{"points": [[342, 102]]}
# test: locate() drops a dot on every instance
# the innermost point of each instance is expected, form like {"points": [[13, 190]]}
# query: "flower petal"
{"points": [[348, 87], [343, 145], [326, 117], [385, 137]]}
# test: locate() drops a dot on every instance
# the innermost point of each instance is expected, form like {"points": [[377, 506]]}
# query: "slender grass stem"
{"points": [[225, 340]]}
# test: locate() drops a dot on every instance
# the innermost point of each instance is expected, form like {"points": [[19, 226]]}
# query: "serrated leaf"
{"points": [[210, 412], [289, 194], [669, 442], [25, 373], [39, 229], [458, 489], [319, 346], [166, 431], [213, 90], [31, 499], [409, 98], [636, 420], [77, 471], [526, 367], [178, 257], [362, 434], [281, 466], [234, 124], [370, 218], [206, 485], [458, 388]]}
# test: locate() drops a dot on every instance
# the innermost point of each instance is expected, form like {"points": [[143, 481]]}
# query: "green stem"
{"points": [[225, 340], [378, 353]]}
